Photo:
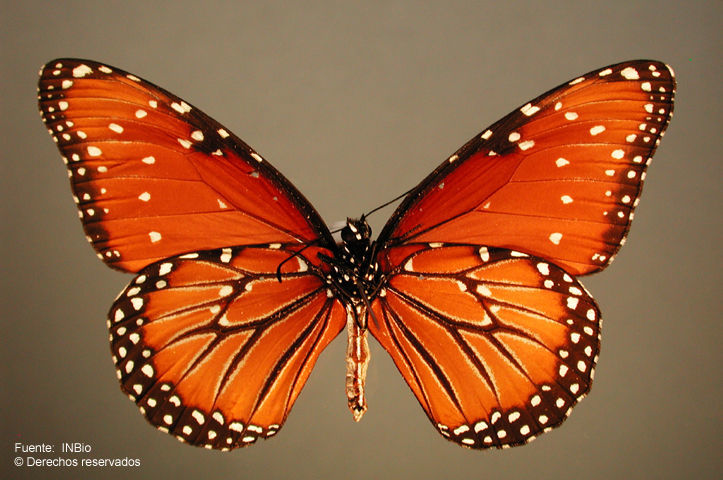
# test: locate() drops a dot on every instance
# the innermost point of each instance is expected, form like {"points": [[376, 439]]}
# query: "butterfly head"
{"points": [[357, 232]]}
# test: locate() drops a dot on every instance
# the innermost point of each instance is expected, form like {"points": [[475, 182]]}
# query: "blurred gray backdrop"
{"points": [[355, 102]]}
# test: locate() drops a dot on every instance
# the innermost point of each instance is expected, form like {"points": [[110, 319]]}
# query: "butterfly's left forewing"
{"points": [[155, 177], [214, 349]]}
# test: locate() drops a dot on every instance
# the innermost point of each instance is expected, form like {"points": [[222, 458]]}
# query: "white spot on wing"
{"points": [[596, 130], [94, 151], [484, 290], [526, 144], [137, 303], [236, 426], [529, 109], [182, 107], [198, 416], [81, 71], [630, 73]]}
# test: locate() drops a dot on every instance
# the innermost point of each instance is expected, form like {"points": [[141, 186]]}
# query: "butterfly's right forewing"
{"points": [[558, 178]]}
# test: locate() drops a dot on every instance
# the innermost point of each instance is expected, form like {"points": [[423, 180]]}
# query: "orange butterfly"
{"points": [[470, 286]]}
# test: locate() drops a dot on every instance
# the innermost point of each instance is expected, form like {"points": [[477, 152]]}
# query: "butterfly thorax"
{"points": [[354, 273]]}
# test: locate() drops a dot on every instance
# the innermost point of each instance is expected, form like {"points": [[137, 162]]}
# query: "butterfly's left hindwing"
{"points": [[214, 349]]}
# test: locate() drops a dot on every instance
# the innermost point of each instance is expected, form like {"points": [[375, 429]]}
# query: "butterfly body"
{"points": [[356, 278], [470, 287]]}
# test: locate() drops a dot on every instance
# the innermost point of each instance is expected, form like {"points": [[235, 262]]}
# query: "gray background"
{"points": [[355, 104]]}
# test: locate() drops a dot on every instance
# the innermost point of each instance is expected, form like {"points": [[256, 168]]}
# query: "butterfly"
{"points": [[471, 286]]}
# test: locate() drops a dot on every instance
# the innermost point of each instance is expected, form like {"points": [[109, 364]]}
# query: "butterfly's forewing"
{"points": [[557, 178], [155, 177], [214, 349], [496, 345]]}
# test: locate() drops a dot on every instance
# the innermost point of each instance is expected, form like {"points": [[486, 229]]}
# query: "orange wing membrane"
{"points": [[155, 177], [214, 349], [497, 345], [557, 178]]}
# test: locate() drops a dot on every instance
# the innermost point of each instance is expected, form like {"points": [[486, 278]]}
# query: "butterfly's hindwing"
{"points": [[497, 346], [214, 349]]}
